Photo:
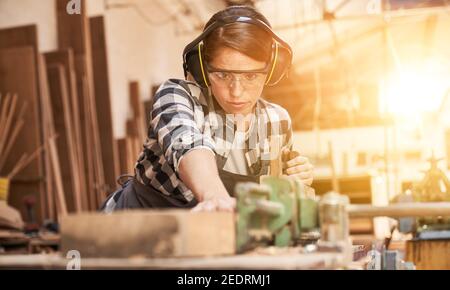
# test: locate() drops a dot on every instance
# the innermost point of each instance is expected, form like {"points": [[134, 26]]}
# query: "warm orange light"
{"points": [[412, 91]]}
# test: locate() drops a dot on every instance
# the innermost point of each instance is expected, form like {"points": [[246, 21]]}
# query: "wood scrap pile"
{"points": [[10, 131]]}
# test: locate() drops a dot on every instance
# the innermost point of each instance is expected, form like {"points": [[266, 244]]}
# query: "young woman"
{"points": [[213, 130]]}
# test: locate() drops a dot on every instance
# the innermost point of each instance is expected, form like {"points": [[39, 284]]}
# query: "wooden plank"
{"points": [[103, 102], [407, 209], [50, 137], [292, 261], [361, 226], [19, 36], [74, 32], [56, 171], [429, 255], [66, 59], [125, 148], [18, 75], [135, 126], [138, 110], [121, 149], [22, 36], [65, 142], [100, 186], [52, 209], [134, 140], [171, 233]]}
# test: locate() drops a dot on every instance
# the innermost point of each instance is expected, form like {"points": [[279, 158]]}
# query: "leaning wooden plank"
{"points": [[124, 146], [4, 106], [50, 136], [171, 233], [65, 58], [133, 135], [74, 32], [19, 75], [60, 198], [138, 109], [47, 132], [60, 106], [121, 145], [99, 192], [103, 101], [22, 36]]}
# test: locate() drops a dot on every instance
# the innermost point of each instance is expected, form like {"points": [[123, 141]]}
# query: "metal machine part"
{"points": [[280, 211]]}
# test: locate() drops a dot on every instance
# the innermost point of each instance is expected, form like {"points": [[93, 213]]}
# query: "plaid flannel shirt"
{"points": [[184, 118]]}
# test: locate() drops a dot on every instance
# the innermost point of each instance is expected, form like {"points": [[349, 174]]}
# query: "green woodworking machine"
{"points": [[282, 211]]}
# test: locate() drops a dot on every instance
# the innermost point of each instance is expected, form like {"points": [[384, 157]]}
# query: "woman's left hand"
{"points": [[298, 166]]}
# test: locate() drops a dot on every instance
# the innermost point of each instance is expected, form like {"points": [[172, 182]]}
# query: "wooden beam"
{"points": [[138, 109], [136, 128], [65, 58], [50, 136], [126, 155], [171, 233], [413, 209], [60, 105], [26, 36], [103, 101], [74, 32], [18, 74]]}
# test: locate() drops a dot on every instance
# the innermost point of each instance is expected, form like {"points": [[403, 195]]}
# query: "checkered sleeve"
{"points": [[176, 123]]}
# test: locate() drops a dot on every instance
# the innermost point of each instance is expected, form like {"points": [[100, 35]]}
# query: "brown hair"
{"points": [[243, 37]]}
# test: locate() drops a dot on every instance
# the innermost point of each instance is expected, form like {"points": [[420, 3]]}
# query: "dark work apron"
{"points": [[135, 195], [231, 179]]}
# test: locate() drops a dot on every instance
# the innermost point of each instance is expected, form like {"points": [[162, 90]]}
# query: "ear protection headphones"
{"points": [[194, 57]]}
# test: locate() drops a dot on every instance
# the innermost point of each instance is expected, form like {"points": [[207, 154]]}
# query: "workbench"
{"points": [[282, 261]]}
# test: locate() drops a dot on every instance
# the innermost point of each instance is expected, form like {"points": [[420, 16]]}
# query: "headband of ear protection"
{"points": [[194, 60]]}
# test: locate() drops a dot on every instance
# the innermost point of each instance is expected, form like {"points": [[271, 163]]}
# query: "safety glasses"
{"points": [[247, 78]]}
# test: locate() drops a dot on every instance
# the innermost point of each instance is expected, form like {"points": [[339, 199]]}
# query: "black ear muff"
{"points": [[194, 62], [195, 65], [280, 64]]}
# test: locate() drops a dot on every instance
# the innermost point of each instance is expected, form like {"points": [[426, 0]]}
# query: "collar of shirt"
{"points": [[223, 133]]}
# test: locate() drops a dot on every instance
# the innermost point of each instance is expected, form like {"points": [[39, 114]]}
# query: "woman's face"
{"points": [[237, 93]]}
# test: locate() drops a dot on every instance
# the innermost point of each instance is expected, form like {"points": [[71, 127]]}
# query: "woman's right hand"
{"points": [[216, 203]]}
